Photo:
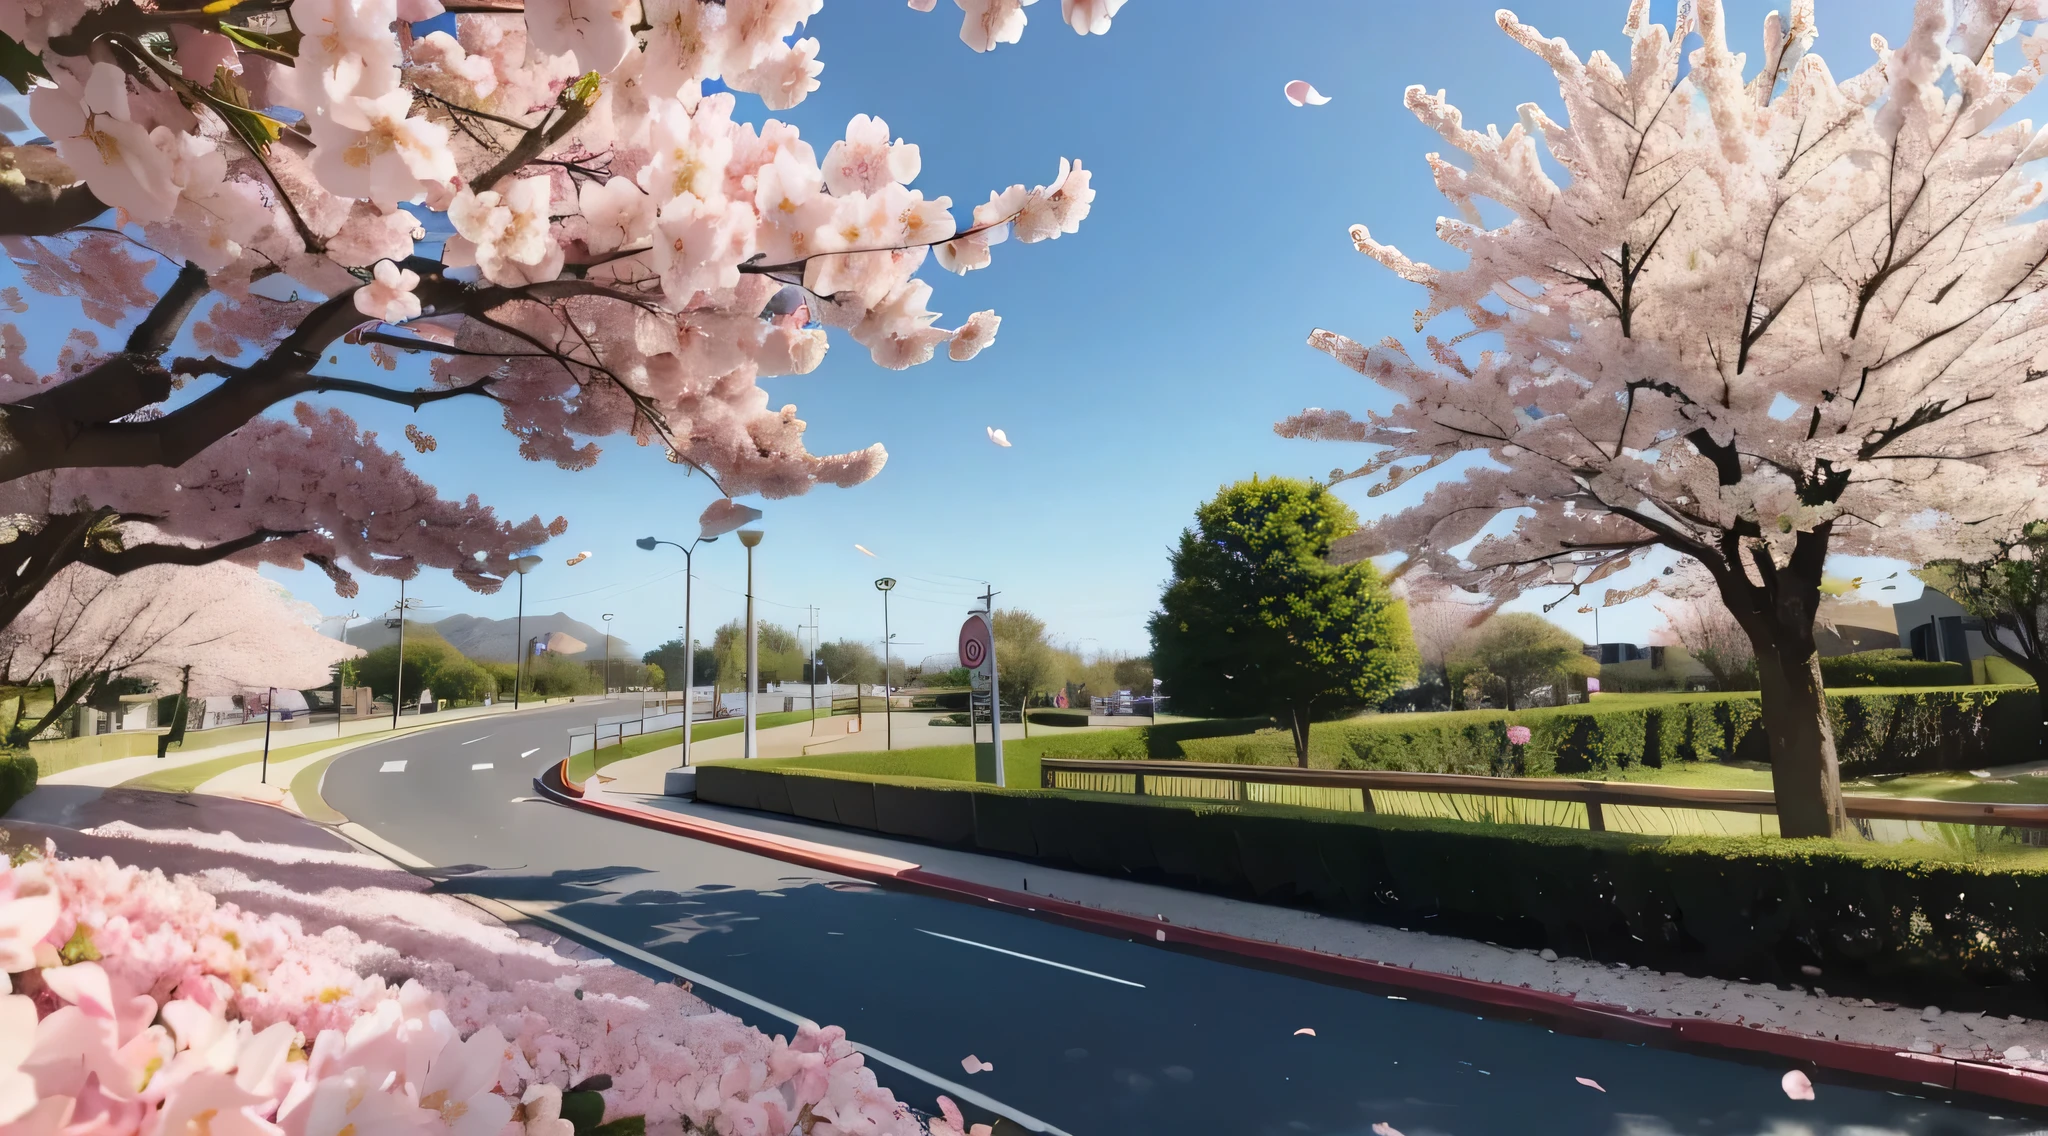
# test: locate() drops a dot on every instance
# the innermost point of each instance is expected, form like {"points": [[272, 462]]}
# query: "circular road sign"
{"points": [[974, 644]]}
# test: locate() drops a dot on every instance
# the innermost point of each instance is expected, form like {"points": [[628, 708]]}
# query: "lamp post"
{"points": [[888, 721], [607, 617], [750, 538], [345, 619], [689, 645], [398, 681], [521, 565]]}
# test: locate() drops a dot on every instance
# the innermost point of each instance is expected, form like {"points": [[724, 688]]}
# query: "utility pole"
{"points": [[269, 709], [813, 668], [883, 585], [398, 682]]}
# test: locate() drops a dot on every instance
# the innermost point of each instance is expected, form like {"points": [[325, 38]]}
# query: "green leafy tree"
{"points": [[669, 657], [1025, 660], [1256, 619], [849, 660], [2008, 594], [780, 655], [1513, 656]]}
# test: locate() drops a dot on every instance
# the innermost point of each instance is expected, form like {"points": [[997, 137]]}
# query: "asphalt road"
{"points": [[1088, 1033]]}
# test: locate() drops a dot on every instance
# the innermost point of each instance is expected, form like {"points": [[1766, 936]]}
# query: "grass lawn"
{"points": [[581, 766], [2023, 789], [185, 778], [937, 763]]}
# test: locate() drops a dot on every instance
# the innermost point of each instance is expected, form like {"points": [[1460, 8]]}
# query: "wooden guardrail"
{"points": [[1591, 794]]}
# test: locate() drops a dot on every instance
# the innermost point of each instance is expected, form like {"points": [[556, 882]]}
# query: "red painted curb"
{"points": [[1882, 1062]]}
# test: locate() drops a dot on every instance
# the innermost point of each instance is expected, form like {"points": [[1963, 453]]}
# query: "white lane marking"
{"points": [[473, 741], [531, 752], [392, 767], [952, 1088], [1035, 958], [480, 765]]}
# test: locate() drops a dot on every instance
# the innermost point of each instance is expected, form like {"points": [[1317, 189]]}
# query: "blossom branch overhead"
{"points": [[614, 252]]}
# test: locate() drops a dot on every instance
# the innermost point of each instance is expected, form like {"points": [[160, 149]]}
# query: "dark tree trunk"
{"points": [[1804, 773], [1778, 616], [1297, 721]]}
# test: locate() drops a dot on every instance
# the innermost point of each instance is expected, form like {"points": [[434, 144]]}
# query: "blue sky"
{"points": [[1141, 362]]}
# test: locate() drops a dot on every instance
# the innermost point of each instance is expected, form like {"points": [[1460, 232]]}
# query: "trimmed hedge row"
{"points": [[1892, 666], [17, 779], [1058, 717], [1876, 733], [1871, 917]]}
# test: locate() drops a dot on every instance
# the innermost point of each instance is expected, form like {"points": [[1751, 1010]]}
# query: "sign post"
{"points": [[978, 655]]}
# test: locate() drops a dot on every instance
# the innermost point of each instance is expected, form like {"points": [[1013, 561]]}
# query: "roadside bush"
{"points": [[17, 778], [1758, 908], [1876, 732], [1057, 717], [1893, 666]]}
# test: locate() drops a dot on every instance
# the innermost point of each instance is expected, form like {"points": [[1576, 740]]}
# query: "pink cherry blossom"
{"points": [[866, 160], [27, 913], [629, 240], [17, 1038], [1797, 1085], [597, 32], [1817, 434], [95, 135], [390, 295], [974, 336], [508, 231], [1089, 17], [1518, 735], [374, 148], [986, 23]]}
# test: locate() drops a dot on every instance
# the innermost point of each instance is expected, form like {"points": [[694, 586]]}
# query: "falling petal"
{"points": [[1382, 1128], [1300, 93], [1589, 1083], [974, 1064], [863, 550], [998, 437], [1304, 1032], [724, 515], [578, 559], [1797, 1085]]}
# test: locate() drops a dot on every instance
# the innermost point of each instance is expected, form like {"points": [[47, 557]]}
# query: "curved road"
{"points": [[1088, 1033]]}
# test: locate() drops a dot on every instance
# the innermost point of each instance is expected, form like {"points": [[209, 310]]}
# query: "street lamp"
{"points": [[521, 565], [345, 620], [888, 721], [607, 617], [750, 538], [689, 645]]}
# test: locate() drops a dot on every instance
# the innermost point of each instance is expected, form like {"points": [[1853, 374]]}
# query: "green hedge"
{"points": [[1056, 717], [17, 779], [1876, 732], [1893, 666], [1927, 921]]}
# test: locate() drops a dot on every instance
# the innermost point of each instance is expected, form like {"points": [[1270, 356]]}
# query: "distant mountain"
{"points": [[491, 640]]}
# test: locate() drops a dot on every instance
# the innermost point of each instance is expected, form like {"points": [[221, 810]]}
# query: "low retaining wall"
{"points": [[1880, 922]]}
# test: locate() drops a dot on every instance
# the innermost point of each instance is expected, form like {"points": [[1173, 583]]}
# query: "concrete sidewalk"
{"points": [[1802, 1013]]}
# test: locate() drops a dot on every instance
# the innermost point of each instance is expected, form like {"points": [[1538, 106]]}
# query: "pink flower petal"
{"points": [[1304, 1032], [974, 1064], [1797, 1085], [1589, 1083], [1301, 93], [1382, 1128]]}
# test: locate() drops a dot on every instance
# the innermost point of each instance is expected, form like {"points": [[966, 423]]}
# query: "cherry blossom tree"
{"points": [[316, 491], [1765, 316], [537, 201], [222, 626]]}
